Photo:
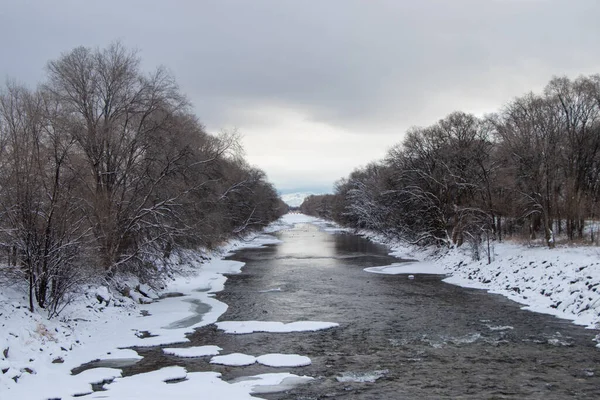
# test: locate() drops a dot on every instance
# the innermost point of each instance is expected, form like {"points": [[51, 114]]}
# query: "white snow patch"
{"points": [[270, 360], [199, 351], [243, 327], [156, 385], [234, 359], [283, 360], [409, 268], [271, 383]]}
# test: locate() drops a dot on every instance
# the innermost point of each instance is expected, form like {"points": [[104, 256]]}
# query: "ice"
{"points": [[199, 351], [409, 268], [270, 360], [244, 327], [283, 360], [234, 359], [185, 386], [271, 383]]}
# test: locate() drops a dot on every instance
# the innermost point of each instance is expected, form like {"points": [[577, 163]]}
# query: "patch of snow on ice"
{"points": [[155, 385], [409, 268], [244, 327], [234, 359], [271, 383], [283, 360]]}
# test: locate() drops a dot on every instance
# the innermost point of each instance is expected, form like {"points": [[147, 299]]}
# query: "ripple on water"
{"points": [[361, 377]]}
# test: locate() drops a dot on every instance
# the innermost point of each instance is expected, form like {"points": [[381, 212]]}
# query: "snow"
{"points": [[270, 360], [283, 360], [188, 385], [244, 327], [199, 351], [271, 383], [234, 359], [38, 354], [409, 268]]}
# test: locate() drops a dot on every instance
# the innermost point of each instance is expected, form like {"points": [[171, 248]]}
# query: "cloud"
{"points": [[358, 72]]}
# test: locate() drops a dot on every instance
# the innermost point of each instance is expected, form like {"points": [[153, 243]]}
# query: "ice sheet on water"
{"points": [[283, 360], [271, 383], [409, 268], [234, 359], [243, 327], [270, 360]]}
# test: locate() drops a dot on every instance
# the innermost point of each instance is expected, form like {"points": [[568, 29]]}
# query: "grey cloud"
{"points": [[361, 66]]}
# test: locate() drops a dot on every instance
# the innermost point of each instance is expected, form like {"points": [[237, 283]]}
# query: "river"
{"points": [[398, 338]]}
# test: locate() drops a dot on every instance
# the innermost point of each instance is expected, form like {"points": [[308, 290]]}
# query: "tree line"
{"points": [[530, 169], [105, 169]]}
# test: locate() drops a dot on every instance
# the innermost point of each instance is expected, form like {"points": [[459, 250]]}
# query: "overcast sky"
{"points": [[319, 87]]}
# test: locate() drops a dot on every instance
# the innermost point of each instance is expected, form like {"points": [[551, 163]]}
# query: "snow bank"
{"points": [[37, 354], [243, 327], [564, 281]]}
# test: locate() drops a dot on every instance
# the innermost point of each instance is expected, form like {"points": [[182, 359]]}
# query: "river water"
{"points": [[398, 338]]}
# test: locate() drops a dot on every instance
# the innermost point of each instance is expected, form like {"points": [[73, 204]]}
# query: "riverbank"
{"points": [[37, 354], [564, 282]]}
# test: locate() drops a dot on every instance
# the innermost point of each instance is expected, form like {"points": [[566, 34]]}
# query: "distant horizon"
{"points": [[313, 190]]}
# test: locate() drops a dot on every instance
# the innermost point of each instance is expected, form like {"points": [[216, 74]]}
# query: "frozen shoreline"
{"points": [[37, 355]]}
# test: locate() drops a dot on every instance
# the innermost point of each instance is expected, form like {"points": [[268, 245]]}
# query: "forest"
{"points": [[105, 169], [530, 171]]}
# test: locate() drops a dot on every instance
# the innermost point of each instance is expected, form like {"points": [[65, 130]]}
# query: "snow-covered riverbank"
{"points": [[564, 281], [37, 354]]}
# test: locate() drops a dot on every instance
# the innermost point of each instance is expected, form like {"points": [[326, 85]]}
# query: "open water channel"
{"points": [[398, 338]]}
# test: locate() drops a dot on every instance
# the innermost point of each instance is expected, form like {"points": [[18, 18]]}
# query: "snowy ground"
{"points": [[37, 354]]}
